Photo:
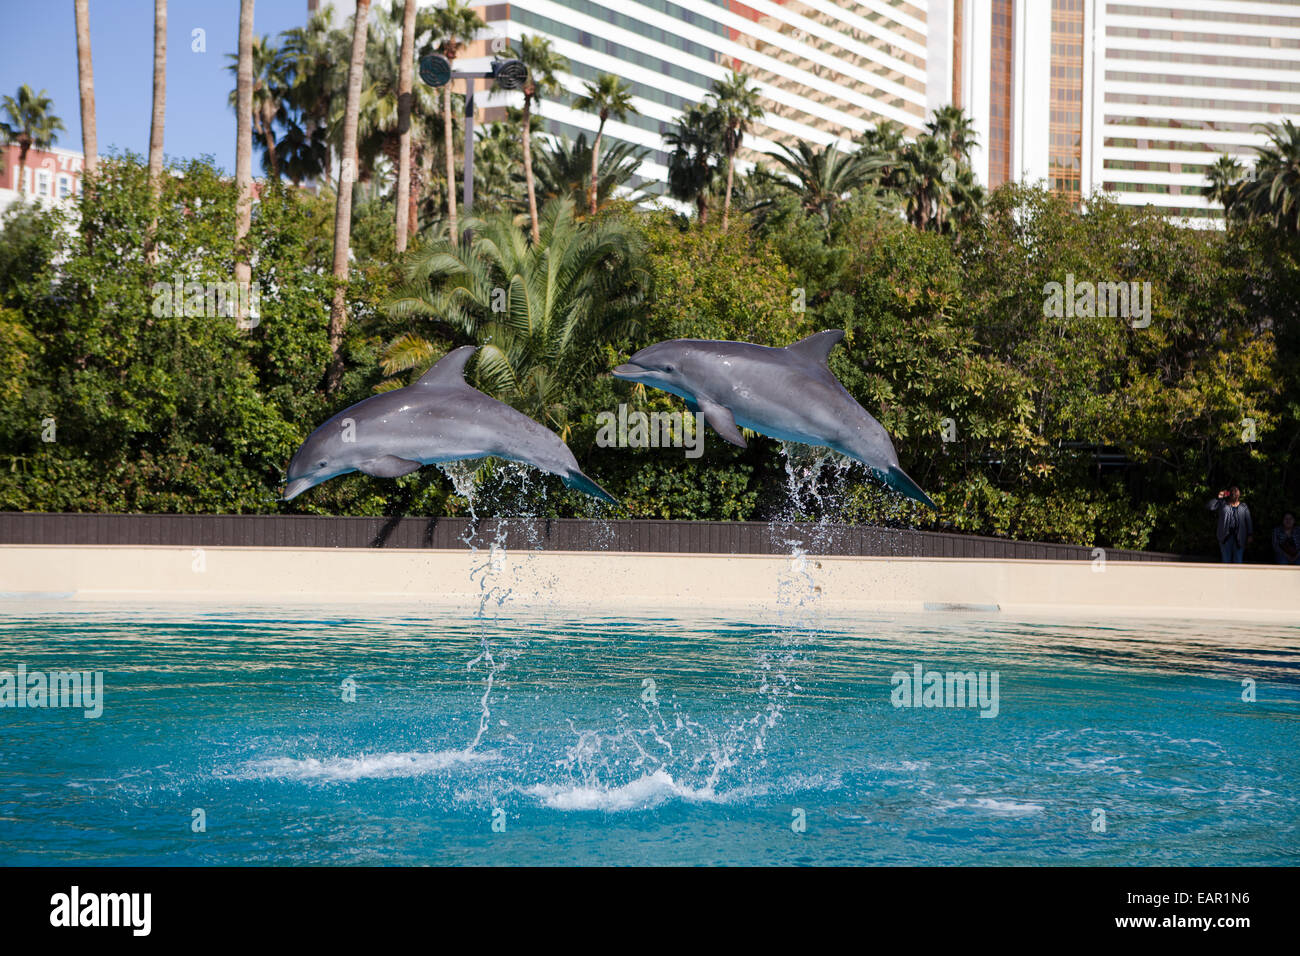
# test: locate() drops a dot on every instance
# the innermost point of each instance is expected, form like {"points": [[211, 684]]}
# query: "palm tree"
{"points": [[885, 137], [879, 148], [159, 96], [565, 297], [86, 82], [543, 63], [693, 162], [821, 177], [405, 71], [31, 124], [244, 149], [564, 169], [924, 174], [738, 106], [968, 196], [496, 154], [456, 25], [314, 60], [380, 118], [1273, 191], [343, 202], [607, 96], [950, 123], [157, 122], [270, 88], [1224, 178]]}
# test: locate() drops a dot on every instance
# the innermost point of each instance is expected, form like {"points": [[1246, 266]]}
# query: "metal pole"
{"points": [[468, 200]]}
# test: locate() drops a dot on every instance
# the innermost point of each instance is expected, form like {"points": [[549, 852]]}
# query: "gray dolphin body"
{"points": [[439, 418], [786, 393]]}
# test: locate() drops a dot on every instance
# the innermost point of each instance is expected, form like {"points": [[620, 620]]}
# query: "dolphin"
{"points": [[437, 418], [786, 393]]}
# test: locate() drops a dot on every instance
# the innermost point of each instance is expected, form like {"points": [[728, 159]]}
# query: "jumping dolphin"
{"points": [[438, 418], [786, 393]]}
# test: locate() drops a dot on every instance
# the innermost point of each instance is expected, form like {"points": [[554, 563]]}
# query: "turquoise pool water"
{"points": [[228, 737]]}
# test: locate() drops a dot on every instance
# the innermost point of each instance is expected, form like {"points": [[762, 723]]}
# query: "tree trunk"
{"points": [[268, 134], [702, 207], [417, 190], [159, 95], [528, 169], [451, 167], [24, 145], [405, 68], [157, 123], [726, 199], [244, 154], [86, 81], [595, 164], [343, 208]]}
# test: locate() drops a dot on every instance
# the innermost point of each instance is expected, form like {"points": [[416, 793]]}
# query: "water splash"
{"points": [[649, 758], [518, 499]]}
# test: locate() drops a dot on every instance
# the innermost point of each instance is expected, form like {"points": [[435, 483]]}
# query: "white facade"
{"points": [[49, 176], [1168, 86], [1030, 91], [827, 69], [973, 73], [1180, 84]]}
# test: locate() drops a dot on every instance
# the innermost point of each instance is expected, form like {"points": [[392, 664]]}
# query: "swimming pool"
{"points": [[341, 735]]}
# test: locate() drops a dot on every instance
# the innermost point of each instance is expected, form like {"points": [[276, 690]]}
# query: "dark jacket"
{"points": [[1280, 537], [1245, 527]]}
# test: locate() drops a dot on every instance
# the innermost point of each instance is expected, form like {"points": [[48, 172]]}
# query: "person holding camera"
{"points": [[1233, 527]]}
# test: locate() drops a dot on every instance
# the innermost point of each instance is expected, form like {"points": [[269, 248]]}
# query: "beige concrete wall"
{"points": [[608, 581]]}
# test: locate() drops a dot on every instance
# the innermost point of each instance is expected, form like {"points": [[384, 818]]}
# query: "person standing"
{"points": [[1286, 541], [1233, 528]]}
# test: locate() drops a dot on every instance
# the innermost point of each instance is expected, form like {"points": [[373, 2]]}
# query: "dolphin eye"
{"points": [[322, 463], [668, 369]]}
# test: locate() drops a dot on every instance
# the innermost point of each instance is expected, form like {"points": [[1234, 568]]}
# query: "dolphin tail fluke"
{"points": [[581, 482], [897, 479]]}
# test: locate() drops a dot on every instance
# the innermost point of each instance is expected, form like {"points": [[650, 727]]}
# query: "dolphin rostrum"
{"points": [[438, 418], [786, 393]]}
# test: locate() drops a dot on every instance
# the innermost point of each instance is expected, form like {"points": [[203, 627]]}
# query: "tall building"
{"points": [[1133, 100], [1179, 84], [827, 69], [1090, 96]]}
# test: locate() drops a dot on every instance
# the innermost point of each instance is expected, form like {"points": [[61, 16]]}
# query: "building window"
{"points": [[65, 187], [1000, 93], [43, 182], [1065, 153]]}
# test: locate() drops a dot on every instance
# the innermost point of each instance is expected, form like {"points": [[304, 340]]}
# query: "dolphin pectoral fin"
{"points": [[580, 482], [897, 479], [388, 466], [721, 421]]}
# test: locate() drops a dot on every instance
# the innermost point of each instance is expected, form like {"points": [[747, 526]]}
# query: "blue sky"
{"points": [[38, 46]]}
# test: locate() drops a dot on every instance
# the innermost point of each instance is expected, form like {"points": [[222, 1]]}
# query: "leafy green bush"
{"points": [[1018, 421]]}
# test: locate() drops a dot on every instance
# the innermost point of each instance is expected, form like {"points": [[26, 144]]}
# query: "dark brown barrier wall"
{"points": [[559, 534]]}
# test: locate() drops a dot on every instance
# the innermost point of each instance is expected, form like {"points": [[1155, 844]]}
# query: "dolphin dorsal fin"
{"points": [[817, 347], [450, 369]]}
